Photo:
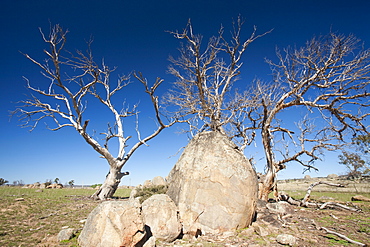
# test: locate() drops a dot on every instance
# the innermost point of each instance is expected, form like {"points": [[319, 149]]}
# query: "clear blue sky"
{"points": [[131, 35]]}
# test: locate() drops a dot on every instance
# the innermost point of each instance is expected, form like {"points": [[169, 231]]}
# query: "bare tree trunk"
{"points": [[110, 184], [269, 182]]}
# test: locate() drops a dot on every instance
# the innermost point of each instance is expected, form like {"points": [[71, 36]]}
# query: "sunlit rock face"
{"points": [[214, 185]]}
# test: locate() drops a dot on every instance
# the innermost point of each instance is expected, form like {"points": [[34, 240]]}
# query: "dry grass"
{"points": [[41, 215]]}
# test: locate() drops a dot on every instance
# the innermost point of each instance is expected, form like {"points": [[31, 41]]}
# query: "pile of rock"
{"points": [[38, 185], [129, 223], [212, 189]]}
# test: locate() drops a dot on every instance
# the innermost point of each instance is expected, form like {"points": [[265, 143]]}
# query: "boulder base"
{"points": [[112, 224], [214, 185]]}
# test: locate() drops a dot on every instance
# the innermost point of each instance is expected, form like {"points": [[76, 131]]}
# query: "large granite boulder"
{"points": [[112, 224], [214, 185], [160, 214]]}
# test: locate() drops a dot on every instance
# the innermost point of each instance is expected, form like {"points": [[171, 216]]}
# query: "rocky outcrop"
{"points": [[113, 223], [161, 217], [55, 186], [214, 185]]}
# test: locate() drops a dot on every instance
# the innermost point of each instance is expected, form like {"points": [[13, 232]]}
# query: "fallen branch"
{"points": [[342, 236], [337, 234], [308, 194], [339, 205], [305, 202]]}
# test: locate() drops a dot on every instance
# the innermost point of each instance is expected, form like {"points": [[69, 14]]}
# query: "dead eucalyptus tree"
{"points": [[73, 81], [202, 93], [328, 79]]}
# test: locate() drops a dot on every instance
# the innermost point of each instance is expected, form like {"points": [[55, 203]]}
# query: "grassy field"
{"points": [[31, 218], [28, 217]]}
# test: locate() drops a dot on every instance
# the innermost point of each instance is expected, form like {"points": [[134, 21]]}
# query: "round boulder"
{"points": [[113, 223], [160, 214], [214, 185]]}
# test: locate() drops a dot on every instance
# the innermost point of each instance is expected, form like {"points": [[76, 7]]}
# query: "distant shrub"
{"points": [[95, 185], [3, 181], [146, 192]]}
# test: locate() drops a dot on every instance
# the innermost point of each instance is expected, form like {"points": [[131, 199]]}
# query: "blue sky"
{"points": [[132, 36]]}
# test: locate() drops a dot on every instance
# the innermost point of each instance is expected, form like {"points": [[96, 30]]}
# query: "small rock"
{"points": [[247, 232], [147, 183], [326, 198], [260, 230], [281, 207], [150, 242], [360, 198], [39, 190], [83, 221], [332, 176], [286, 239], [307, 177], [19, 199], [228, 234], [159, 181], [65, 227], [66, 234]]}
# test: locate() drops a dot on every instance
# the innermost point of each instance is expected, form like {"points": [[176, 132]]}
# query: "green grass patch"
{"points": [[146, 192]]}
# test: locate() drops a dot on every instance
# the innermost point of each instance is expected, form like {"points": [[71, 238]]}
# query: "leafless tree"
{"points": [[74, 79], [203, 92], [328, 79]]}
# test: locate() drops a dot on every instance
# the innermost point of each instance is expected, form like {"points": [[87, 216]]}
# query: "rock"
{"points": [[150, 242], [159, 181], [307, 177], [160, 215], [286, 239], [51, 186], [113, 223], [214, 185], [19, 199], [133, 193], [42, 186], [66, 234], [326, 198], [39, 190], [259, 229], [147, 183], [36, 185], [332, 176], [281, 208], [247, 232], [360, 198]]}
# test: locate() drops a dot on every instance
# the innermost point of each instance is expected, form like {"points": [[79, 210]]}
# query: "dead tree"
{"points": [[202, 93], [75, 79], [329, 80]]}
